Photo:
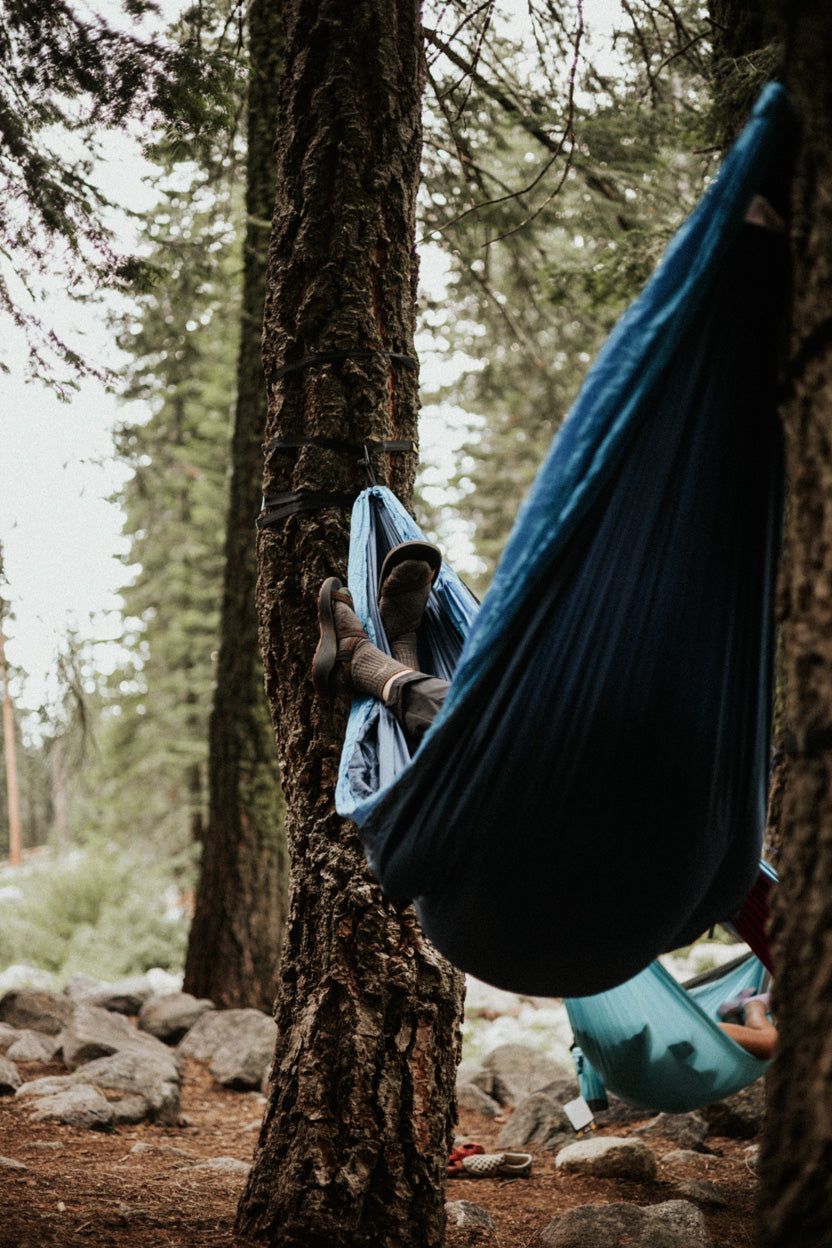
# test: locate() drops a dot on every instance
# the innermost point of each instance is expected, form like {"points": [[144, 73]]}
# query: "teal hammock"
{"points": [[658, 1045], [592, 793]]}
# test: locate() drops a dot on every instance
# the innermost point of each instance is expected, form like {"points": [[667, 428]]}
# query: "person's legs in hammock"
{"points": [[757, 1034], [413, 697]]}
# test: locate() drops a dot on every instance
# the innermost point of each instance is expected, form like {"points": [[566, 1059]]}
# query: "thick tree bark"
{"points": [[237, 931], [796, 1200], [742, 57], [354, 1145]]}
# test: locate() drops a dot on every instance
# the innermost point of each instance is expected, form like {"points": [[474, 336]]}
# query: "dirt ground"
{"points": [[100, 1190]]}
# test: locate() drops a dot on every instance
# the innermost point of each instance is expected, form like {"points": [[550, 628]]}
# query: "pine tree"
{"points": [[237, 931], [611, 167], [154, 745], [796, 1190], [67, 77], [354, 1144]]}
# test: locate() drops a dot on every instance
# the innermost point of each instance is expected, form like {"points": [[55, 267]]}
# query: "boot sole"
{"points": [[424, 551], [326, 653]]}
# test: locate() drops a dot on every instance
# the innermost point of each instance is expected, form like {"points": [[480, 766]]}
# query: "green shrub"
{"points": [[100, 910]]}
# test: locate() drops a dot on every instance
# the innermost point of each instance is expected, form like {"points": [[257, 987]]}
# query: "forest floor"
{"points": [[99, 1190]]}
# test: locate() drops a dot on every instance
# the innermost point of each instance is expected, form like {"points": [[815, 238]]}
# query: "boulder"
{"points": [[45, 1086], [609, 1157], [10, 1079], [686, 1130], [154, 1078], [126, 996], [239, 1044], [518, 1071], [703, 1192], [467, 1215], [8, 1035], [129, 1110], [246, 1056], [79, 1106], [674, 1224], [36, 1010], [469, 1096], [33, 1046], [157, 1078], [169, 1018], [92, 1033], [539, 1120], [740, 1116], [469, 1072]]}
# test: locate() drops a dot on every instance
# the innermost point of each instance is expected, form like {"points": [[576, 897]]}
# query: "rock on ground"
{"points": [[464, 1213], [36, 1010], [239, 1044], [92, 1033], [539, 1120], [79, 1106], [126, 996], [156, 1079], [518, 1071], [612, 1157], [169, 1018], [686, 1130], [10, 1079], [674, 1224], [33, 1046]]}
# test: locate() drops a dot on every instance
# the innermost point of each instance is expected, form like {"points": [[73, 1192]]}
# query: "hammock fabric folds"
{"points": [[592, 793], [658, 1045]]}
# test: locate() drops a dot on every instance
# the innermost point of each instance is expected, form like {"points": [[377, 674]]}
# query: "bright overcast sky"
{"points": [[61, 538]]}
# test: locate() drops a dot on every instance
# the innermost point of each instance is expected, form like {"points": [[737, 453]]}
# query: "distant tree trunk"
{"points": [[796, 1177], [59, 789], [240, 910], [354, 1145], [12, 792]]}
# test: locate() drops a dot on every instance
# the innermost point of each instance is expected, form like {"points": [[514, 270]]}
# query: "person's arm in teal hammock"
{"points": [[757, 1034]]}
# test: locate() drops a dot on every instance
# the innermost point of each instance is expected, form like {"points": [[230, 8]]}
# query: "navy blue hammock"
{"points": [[592, 793]]}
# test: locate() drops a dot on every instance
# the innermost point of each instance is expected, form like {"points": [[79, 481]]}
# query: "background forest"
{"points": [[563, 146]]}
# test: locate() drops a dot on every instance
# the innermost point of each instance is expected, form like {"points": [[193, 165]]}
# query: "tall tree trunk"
{"points": [[12, 792], [796, 1200], [354, 1145], [747, 51], [237, 931], [740, 29], [59, 789]]}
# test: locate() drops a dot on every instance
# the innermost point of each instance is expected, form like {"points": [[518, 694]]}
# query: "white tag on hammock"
{"points": [[579, 1113]]}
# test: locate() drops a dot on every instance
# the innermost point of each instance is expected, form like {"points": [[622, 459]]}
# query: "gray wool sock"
{"points": [[371, 668]]}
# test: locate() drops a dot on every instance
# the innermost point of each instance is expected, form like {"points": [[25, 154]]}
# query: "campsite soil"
{"points": [[90, 1188]]}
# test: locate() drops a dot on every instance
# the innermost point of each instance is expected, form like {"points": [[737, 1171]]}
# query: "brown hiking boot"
{"points": [[343, 640], [404, 585]]}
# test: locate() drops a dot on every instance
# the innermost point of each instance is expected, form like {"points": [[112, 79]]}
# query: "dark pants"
{"points": [[415, 700]]}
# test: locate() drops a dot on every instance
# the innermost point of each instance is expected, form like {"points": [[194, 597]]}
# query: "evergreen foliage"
{"points": [[155, 741], [608, 164], [67, 77]]}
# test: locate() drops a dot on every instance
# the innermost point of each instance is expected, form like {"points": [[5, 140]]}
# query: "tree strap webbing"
{"points": [[335, 357], [277, 507]]}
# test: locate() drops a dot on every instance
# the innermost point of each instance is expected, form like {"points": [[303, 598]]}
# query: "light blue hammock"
{"points": [[658, 1045], [592, 793]]}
